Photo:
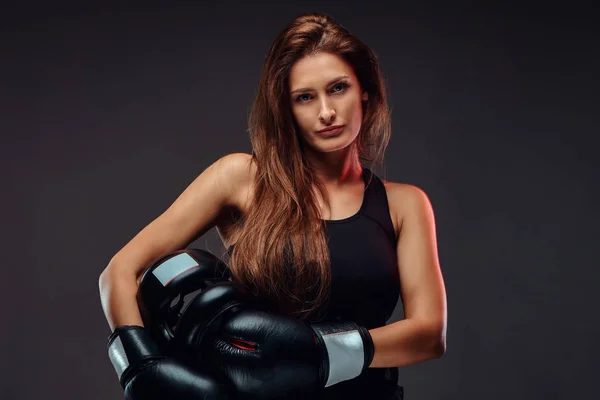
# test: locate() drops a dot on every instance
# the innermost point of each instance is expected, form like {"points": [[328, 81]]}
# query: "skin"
{"points": [[228, 184], [422, 334], [324, 103]]}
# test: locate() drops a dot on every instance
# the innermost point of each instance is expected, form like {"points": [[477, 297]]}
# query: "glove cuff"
{"points": [[349, 350], [130, 348]]}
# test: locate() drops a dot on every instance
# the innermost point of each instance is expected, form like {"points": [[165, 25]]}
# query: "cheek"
{"points": [[356, 112], [302, 119]]}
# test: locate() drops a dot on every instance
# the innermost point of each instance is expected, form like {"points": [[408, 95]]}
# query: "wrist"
{"points": [[349, 349], [129, 348]]}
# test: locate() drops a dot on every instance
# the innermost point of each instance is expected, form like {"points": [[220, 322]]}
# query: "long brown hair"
{"points": [[281, 252]]}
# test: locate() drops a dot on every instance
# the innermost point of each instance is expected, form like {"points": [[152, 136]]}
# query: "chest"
{"points": [[342, 205], [364, 272]]}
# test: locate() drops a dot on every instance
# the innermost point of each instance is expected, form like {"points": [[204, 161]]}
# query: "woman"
{"points": [[306, 224]]}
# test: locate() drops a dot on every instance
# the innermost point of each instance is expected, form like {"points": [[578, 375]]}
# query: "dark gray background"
{"points": [[109, 111]]}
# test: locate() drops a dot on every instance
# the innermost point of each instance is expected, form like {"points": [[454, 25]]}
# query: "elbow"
{"points": [[116, 272], [439, 349], [104, 279], [103, 276], [107, 275], [438, 340]]}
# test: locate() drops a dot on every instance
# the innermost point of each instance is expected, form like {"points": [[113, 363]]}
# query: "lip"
{"points": [[331, 130]]}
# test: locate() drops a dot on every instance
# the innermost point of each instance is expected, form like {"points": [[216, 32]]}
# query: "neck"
{"points": [[337, 168]]}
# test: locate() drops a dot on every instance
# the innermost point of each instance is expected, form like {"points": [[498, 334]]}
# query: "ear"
{"points": [[365, 96]]}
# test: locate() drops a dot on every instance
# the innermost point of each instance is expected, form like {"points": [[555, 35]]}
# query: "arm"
{"points": [[143, 371], [192, 214], [422, 334], [262, 352]]}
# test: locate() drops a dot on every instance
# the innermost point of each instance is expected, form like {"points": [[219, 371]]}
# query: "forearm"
{"points": [[406, 342], [118, 291]]}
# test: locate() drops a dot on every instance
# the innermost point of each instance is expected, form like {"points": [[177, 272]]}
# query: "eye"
{"points": [[341, 85], [298, 99]]}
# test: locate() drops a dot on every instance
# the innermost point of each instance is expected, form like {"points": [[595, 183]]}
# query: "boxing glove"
{"points": [[265, 355], [145, 374]]}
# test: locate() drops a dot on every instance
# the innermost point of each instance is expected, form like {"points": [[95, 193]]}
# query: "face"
{"points": [[325, 92]]}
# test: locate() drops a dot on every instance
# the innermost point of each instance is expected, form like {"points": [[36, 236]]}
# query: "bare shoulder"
{"points": [[205, 203], [238, 171], [235, 168], [404, 194], [405, 199]]}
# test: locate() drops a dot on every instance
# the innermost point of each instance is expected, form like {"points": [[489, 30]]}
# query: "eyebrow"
{"points": [[339, 78]]}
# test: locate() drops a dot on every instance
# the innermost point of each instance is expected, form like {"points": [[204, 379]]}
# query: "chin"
{"points": [[332, 146], [328, 145]]}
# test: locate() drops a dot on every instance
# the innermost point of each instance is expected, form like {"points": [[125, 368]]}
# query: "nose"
{"points": [[326, 114]]}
